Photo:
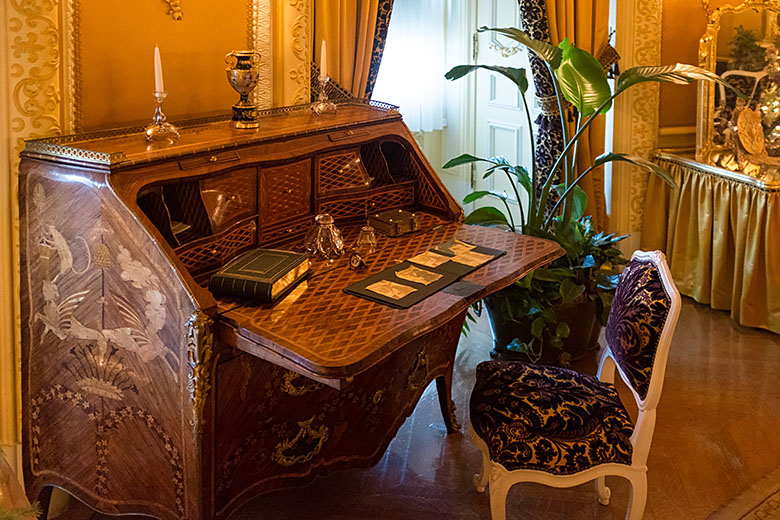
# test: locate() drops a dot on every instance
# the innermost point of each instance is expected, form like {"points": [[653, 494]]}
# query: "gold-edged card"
{"points": [[388, 289], [472, 258], [430, 259], [417, 275]]}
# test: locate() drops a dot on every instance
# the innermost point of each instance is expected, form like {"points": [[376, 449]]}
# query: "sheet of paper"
{"points": [[389, 289], [461, 247], [417, 275], [455, 247], [429, 259], [472, 258]]}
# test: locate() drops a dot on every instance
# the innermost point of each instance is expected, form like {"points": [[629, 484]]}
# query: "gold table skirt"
{"points": [[721, 235]]}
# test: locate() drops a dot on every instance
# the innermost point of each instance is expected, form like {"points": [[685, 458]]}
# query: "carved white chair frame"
{"points": [[502, 479]]}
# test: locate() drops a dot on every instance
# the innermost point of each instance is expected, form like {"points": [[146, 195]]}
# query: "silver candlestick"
{"points": [[159, 129], [323, 105]]}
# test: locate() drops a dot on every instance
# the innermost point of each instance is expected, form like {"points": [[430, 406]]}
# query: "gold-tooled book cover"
{"points": [[261, 274]]}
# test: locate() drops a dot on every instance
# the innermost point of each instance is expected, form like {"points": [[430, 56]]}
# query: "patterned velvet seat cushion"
{"points": [[548, 418]]}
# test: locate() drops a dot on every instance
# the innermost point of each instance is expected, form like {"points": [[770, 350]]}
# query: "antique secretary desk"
{"points": [[143, 393]]}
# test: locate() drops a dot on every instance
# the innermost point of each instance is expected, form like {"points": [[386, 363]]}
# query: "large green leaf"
{"points": [[553, 274], [636, 161], [571, 290], [678, 73], [487, 216], [544, 50], [476, 195], [518, 76], [583, 80], [523, 177], [578, 197], [465, 158]]}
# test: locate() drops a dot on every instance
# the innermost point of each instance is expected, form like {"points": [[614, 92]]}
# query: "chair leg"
{"points": [[481, 478], [637, 497], [499, 488], [604, 492]]}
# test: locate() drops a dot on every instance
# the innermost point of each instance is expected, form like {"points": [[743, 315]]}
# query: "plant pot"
{"points": [[582, 321]]}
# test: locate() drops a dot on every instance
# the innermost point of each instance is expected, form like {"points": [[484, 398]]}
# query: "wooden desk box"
{"points": [[142, 393]]}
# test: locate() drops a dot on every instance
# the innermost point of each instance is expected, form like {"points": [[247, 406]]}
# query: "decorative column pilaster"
{"points": [[292, 52], [30, 106], [638, 40]]}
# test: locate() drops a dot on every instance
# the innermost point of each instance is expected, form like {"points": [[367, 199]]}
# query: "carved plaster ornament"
{"points": [[174, 9]]}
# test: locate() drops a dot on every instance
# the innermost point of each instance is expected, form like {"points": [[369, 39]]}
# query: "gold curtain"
{"points": [[721, 239], [586, 24], [348, 28]]}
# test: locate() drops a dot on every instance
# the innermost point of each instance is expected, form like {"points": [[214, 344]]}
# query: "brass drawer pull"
{"points": [[288, 385], [308, 436], [419, 374], [213, 158]]}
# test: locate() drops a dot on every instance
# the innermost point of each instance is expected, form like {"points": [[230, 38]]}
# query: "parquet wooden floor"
{"points": [[718, 432]]}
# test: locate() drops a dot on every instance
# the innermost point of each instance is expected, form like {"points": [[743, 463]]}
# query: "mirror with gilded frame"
{"points": [[741, 45]]}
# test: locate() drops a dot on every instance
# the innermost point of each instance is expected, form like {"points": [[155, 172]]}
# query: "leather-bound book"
{"points": [[263, 275]]}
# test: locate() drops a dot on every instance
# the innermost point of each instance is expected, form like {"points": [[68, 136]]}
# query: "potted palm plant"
{"points": [[555, 310]]}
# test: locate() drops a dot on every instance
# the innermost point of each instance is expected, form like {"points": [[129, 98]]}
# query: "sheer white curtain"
{"points": [[412, 71]]}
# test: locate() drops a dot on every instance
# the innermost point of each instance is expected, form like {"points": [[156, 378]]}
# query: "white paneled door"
{"points": [[501, 122]]}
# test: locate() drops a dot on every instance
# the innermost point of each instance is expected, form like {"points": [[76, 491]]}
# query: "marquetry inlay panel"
{"points": [[342, 329]]}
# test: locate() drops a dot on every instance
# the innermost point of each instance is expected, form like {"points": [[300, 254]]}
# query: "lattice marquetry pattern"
{"points": [[427, 195], [214, 252], [342, 170], [341, 329], [285, 191], [283, 233], [359, 206]]}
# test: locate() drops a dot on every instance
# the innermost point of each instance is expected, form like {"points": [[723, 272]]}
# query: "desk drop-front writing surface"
{"points": [[143, 393]]}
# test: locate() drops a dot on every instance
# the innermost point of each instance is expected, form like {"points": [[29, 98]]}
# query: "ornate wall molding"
{"points": [[300, 44], [174, 9], [292, 51], [32, 98], [260, 36], [636, 113]]}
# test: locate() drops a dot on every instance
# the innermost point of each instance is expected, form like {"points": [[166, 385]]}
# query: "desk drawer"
{"points": [[285, 192], [209, 159]]}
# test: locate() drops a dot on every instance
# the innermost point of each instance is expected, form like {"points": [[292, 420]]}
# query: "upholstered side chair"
{"points": [[561, 428]]}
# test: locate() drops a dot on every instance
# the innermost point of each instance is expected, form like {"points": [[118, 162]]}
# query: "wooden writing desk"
{"points": [[143, 393]]}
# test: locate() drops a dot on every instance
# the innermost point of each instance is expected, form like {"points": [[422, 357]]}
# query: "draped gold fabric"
{"points": [[586, 24], [347, 26], [722, 241]]}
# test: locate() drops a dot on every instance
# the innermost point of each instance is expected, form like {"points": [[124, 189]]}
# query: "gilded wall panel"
{"points": [[32, 108], [635, 114], [292, 47]]}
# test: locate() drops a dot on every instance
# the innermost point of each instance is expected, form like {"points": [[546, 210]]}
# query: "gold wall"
{"points": [[70, 65], [115, 47], [684, 23]]}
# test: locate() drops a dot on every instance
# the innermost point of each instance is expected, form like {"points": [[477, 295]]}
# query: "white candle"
{"points": [[323, 62], [158, 77]]}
